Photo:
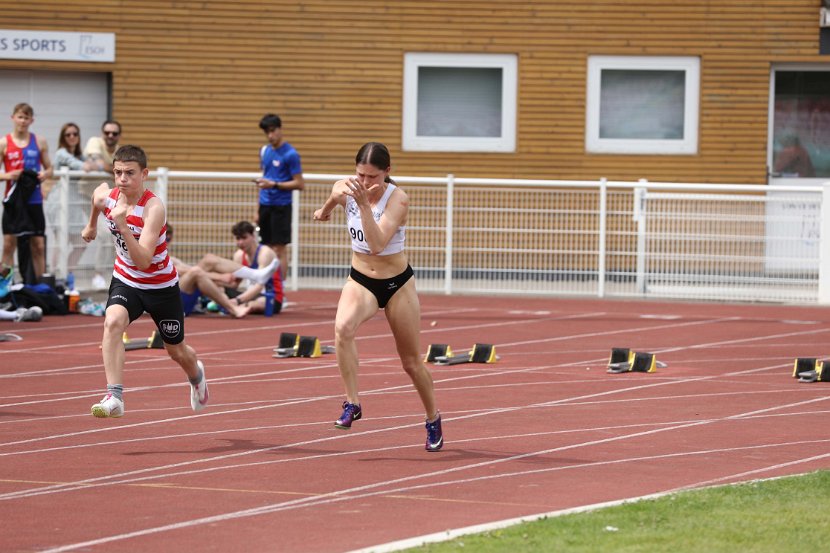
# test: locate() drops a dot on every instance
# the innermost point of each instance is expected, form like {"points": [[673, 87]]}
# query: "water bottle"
{"points": [[269, 303], [70, 281]]}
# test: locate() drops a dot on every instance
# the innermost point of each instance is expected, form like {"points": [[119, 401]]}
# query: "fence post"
{"points": [[161, 184], [640, 217], [63, 219], [294, 278], [603, 229], [824, 247], [448, 243]]}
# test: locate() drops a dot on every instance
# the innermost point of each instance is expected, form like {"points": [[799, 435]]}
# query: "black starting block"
{"points": [[294, 345], [153, 342], [481, 353], [810, 369], [623, 360], [437, 350]]}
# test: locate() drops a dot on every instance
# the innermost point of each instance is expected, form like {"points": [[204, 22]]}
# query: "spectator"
{"points": [[101, 149], [250, 253], [69, 152], [23, 199], [210, 276], [282, 173]]}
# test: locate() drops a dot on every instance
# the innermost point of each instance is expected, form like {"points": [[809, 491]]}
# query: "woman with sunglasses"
{"points": [[69, 150]]}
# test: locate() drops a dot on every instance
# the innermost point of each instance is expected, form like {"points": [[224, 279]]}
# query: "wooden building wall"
{"points": [[192, 79]]}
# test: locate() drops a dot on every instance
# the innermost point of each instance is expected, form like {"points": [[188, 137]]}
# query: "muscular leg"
{"points": [[404, 315], [356, 306], [185, 356], [196, 278], [116, 321], [211, 290]]}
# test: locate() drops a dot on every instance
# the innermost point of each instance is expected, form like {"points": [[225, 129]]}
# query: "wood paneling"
{"points": [[192, 79]]}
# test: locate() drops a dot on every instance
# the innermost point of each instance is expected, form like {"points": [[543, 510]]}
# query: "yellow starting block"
{"points": [[624, 360], [810, 369], [153, 342], [294, 345], [441, 354]]}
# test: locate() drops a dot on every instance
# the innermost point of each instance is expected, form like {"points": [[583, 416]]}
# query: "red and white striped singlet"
{"points": [[161, 273]]}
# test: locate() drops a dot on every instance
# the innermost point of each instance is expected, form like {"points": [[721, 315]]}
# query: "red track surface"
{"points": [[543, 429]]}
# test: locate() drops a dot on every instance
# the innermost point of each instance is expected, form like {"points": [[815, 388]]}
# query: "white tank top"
{"points": [[355, 225]]}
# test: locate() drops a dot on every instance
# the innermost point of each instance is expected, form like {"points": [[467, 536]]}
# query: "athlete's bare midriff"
{"points": [[380, 266]]}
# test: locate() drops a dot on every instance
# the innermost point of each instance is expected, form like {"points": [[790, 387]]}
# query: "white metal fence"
{"points": [[490, 236]]}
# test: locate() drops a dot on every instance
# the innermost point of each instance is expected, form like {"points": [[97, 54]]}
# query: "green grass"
{"points": [[774, 516]]}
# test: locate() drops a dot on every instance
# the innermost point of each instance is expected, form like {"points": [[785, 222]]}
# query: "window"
{"points": [[459, 102], [642, 105]]}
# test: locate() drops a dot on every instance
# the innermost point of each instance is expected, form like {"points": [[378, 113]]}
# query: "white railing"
{"points": [[501, 236]]}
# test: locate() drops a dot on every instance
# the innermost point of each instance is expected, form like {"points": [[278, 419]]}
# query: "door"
{"points": [[798, 154]]}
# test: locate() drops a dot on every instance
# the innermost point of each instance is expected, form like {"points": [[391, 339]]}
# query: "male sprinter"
{"points": [[143, 278]]}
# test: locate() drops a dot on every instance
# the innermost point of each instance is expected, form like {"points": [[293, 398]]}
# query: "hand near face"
{"points": [[119, 216]]}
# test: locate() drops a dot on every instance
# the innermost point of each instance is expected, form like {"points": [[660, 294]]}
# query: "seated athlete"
{"points": [[208, 277], [250, 253]]}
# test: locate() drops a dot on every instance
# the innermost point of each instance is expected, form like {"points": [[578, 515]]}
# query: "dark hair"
{"points": [[168, 233], [376, 155], [270, 121], [242, 228], [128, 153], [76, 151], [111, 122]]}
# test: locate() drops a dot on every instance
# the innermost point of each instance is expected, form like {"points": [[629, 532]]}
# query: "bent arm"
{"points": [[99, 202], [142, 250], [337, 197], [379, 233]]}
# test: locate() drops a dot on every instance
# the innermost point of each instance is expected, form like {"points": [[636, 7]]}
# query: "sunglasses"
{"points": [[112, 133], [70, 134]]}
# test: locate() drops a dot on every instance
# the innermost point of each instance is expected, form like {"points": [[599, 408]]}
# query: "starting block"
{"points": [[10, 338], [810, 369], [437, 350], [441, 354], [153, 342], [294, 345], [624, 360]]}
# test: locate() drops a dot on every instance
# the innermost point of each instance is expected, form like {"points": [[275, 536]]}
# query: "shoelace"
{"points": [[432, 431], [349, 409]]}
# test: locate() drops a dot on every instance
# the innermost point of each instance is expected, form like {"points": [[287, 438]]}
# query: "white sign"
{"points": [[59, 46]]}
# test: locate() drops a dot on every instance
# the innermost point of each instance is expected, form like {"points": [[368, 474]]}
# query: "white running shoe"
{"points": [[33, 314], [199, 393], [109, 407]]}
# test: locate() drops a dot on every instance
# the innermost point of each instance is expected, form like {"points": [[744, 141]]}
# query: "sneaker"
{"points": [[6, 280], [435, 437], [351, 413], [199, 392], [32, 314], [110, 406]]}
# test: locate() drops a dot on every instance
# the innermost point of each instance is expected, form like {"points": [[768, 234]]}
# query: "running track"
{"points": [[543, 430]]}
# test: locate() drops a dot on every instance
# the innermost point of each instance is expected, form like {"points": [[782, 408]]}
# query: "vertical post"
{"points": [[63, 223], [640, 217], [448, 242], [824, 247], [294, 278], [603, 229], [161, 185]]}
